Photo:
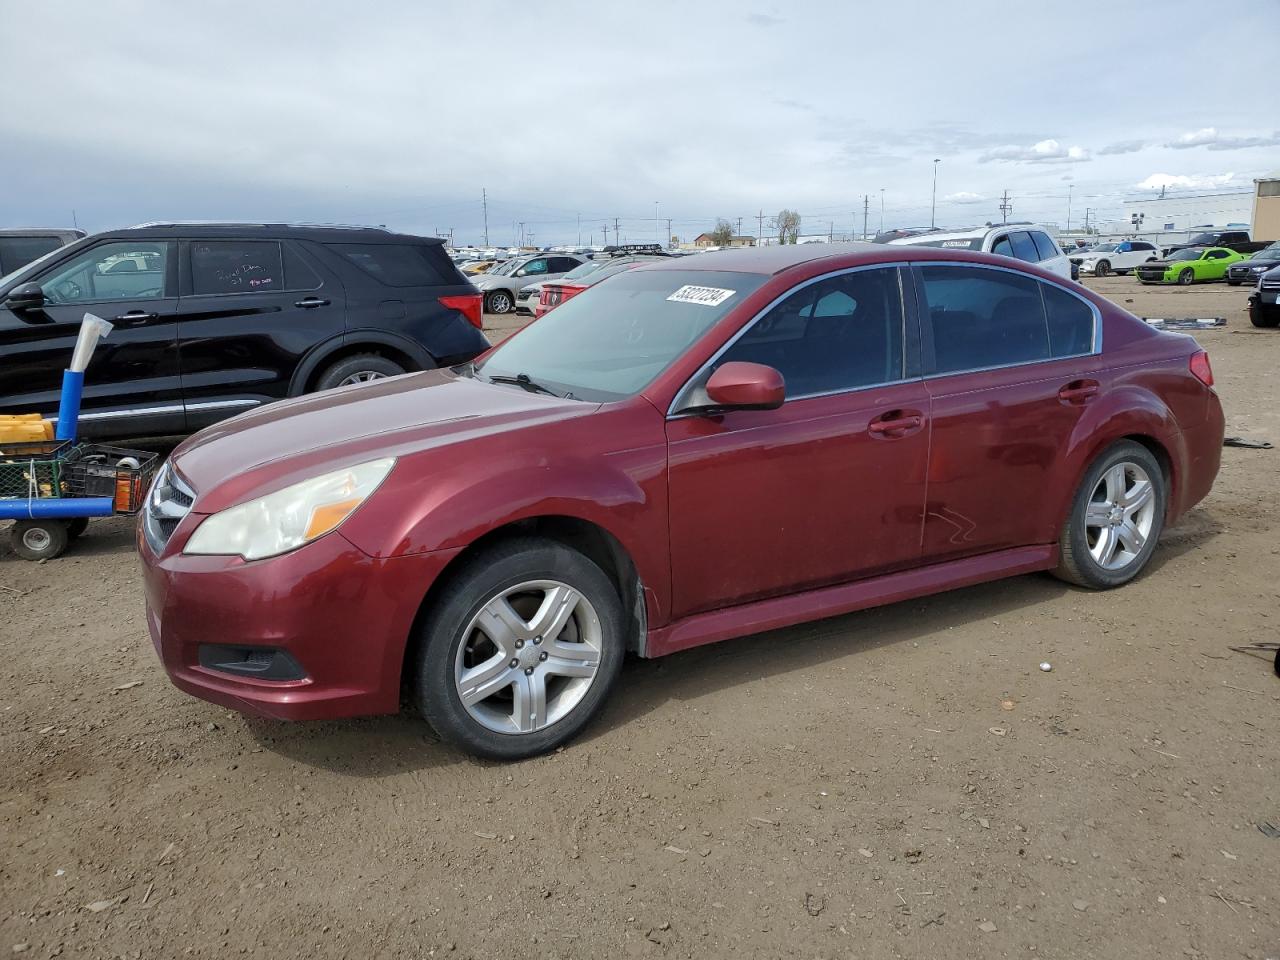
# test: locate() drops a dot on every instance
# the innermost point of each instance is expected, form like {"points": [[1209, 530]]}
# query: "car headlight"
{"points": [[287, 519]]}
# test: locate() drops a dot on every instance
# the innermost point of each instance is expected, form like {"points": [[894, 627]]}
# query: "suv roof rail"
{"points": [[254, 223]]}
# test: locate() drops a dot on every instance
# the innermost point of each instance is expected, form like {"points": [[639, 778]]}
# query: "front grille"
{"points": [[168, 502]]}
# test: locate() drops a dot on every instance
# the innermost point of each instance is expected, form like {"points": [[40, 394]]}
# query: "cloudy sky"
{"points": [[402, 112]]}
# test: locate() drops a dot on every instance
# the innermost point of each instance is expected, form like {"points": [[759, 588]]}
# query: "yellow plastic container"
{"points": [[22, 428]]}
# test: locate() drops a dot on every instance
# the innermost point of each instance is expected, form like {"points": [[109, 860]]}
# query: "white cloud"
{"points": [[1121, 146], [964, 196], [1159, 181], [1044, 151], [1209, 137]]}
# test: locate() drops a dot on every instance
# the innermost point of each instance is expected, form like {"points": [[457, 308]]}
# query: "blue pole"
{"points": [[69, 405], [56, 508]]}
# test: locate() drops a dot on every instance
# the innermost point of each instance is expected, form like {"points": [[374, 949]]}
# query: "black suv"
{"points": [[20, 246], [213, 319]]}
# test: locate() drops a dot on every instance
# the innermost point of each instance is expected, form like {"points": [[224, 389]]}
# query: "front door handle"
{"points": [[134, 317], [898, 423], [308, 303], [1078, 391]]}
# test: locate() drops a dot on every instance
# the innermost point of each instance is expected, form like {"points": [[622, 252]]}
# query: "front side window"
{"points": [[118, 270], [534, 268], [611, 340], [1023, 248], [841, 333], [1217, 255], [1003, 247], [981, 318], [236, 266]]}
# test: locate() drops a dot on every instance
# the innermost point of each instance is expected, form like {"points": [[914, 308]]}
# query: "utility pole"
{"points": [[1070, 187], [484, 200], [760, 228], [655, 219], [831, 231], [1005, 207], [866, 205], [605, 228], [933, 206], [668, 232], [617, 234], [579, 229], [1087, 211], [522, 233], [882, 209]]}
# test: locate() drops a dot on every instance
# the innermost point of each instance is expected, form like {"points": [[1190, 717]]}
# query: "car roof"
{"points": [[323, 233], [41, 232], [771, 259], [973, 234]]}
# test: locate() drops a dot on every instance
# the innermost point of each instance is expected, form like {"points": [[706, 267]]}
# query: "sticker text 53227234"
{"points": [[706, 296]]}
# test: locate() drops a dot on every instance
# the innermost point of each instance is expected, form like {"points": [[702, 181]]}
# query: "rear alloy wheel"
{"points": [[361, 368], [499, 301], [1187, 277], [1102, 269], [520, 650], [1115, 519]]}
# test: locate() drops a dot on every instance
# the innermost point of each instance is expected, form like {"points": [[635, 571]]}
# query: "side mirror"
{"points": [[26, 296], [746, 386]]}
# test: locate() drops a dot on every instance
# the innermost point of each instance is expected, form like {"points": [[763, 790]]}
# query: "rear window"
{"points": [[400, 264], [17, 252]]}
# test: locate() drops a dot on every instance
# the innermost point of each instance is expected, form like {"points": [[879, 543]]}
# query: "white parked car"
{"points": [[1022, 241], [1122, 257]]}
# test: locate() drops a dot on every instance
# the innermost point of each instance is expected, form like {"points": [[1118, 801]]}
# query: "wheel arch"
{"points": [[593, 541], [400, 350]]}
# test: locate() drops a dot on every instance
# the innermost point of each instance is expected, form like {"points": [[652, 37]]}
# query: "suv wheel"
{"points": [[1115, 519], [358, 369], [520, 650], [499, 301], [1260, 316]]}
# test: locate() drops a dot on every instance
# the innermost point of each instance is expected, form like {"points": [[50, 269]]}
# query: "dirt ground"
{"points": [[903, 782]]}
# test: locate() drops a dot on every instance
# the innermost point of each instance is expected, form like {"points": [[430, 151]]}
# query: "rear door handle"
{"points": [[134, 317], [895, 424], [1078, 391], [307, 303]]}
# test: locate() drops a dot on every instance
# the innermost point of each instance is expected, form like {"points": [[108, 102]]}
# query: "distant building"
{"points": [[1201, 211], [706, 240], [1266, 209]]}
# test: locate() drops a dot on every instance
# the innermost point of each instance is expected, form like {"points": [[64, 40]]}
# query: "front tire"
{"points": [[520, 650], [1102, 269], [499, 301], [1260, 317], [1115, 519], [1187, 277], [38, 539], [358, 369]]}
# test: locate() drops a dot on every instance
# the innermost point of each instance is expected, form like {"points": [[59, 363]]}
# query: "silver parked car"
{"points": [[501, 284]]}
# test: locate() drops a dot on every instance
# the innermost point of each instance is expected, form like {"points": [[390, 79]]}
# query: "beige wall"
{"points": [[1266, 218]]}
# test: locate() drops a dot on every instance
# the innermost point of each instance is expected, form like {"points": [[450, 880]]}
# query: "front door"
{"points": [[250, 310], [132, 385], [827, 488], [1011, 367]]}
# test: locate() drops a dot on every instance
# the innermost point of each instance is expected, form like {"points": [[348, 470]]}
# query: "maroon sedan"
{"points": [[688, 451]]}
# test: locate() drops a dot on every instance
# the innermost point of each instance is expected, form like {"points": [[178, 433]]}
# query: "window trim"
{"points": [[921, 299], [911, 348], [189, 276]]}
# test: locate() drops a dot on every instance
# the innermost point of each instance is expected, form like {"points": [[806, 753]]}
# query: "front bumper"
{"points": [[344, 616]]}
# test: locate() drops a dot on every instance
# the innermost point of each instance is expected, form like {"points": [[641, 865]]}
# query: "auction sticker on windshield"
{"points": [[707, 296]]}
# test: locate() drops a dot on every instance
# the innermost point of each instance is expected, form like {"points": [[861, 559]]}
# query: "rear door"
{"points": [[1011, 364], [250, 310], [132, 385]]}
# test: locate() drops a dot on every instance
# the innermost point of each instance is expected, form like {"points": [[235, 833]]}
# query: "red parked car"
{"points": [[686, 452]]}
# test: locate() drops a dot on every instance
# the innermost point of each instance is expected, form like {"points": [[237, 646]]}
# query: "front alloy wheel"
{"points": [[1187, 277], [499, 302], [519, 649]]}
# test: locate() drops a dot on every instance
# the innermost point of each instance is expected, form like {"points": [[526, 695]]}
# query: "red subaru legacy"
{"points": [[689, 451]]}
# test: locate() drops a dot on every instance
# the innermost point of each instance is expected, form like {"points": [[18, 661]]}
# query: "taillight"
{"points": [[1200, 368], [470, 305]]}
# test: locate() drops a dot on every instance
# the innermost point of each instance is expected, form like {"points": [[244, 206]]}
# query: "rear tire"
{"points": [[532, 680], [358, 369], [38, 539], [1115, 519]]}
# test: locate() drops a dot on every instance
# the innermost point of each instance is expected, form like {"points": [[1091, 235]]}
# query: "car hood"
{"points": [[1161, 264], [286, 442], [1266, 264]]}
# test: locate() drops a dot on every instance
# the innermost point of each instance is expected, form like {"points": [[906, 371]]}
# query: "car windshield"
{"points": [[504, 269], [612, 340], [1269, 252], [1192, 253]]}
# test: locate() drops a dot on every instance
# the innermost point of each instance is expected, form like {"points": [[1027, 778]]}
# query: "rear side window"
{"points": [[983, 318], [1023, 248], [397, 264], [17, 252], [1070, 322], [236, 266], [1045, 247], [298, 274]]}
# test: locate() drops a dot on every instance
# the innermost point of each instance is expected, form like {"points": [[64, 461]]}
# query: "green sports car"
{"points": [[1189, 266]]}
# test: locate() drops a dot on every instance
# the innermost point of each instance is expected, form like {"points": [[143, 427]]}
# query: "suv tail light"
{"points": [[1200, 368], [470, 305]]}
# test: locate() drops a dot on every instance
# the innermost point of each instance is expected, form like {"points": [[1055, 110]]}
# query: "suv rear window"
{"points": [[399, 264]]}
